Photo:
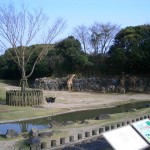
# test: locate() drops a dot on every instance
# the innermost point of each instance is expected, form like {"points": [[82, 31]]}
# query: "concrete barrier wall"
{"points": [[56, 144]]}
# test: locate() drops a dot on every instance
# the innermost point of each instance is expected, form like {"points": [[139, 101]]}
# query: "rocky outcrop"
{"points": [[94, 84], [34, 132], [11, 134], [102, 117], [46, 134], [51, 84]]}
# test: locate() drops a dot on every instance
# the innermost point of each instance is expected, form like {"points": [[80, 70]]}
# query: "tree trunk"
{"points": [[24, 80], [23, 85]]}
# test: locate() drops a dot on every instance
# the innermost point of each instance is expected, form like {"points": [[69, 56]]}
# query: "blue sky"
{"points": [[86, 12]]}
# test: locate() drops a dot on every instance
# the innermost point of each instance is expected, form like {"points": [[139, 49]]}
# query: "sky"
{"points": [[86, 12]]}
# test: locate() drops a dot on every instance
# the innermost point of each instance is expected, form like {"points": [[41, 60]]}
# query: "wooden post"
{"points": [[30, 98]]}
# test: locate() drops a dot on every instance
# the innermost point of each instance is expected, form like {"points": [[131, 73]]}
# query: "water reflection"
{"points": [[58, 120], [23, 126]]}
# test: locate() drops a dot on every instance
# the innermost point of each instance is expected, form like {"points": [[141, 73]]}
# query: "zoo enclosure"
{"points": [[29, 98]]}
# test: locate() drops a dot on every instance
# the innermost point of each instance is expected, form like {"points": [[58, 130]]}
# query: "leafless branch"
{"points": [[102, 36], [19, 28], [56, 29], [82, 34]]}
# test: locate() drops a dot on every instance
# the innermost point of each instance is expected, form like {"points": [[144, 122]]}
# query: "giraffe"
{"points": [[122, 80], [132, 81], [70, 81]]}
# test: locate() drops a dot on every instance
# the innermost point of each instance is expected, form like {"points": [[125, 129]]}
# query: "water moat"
{"points": [[47, 122]]}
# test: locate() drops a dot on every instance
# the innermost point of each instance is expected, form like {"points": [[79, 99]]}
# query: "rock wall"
{"points": [[94, 84]]}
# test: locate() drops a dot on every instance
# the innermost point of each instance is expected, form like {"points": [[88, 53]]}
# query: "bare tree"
{"points": [[82, 34], [18, 29], [102, 36]]}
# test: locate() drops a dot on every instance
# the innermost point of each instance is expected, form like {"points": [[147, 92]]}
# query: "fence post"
{"points": [[30, 98]]}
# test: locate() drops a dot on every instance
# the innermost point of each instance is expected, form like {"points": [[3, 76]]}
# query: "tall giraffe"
{"points": [[132, 82], [70, 82]]}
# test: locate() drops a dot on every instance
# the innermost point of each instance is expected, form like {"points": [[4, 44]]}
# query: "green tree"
{"points": [[71, 58], [8, 66], [131, 49]]}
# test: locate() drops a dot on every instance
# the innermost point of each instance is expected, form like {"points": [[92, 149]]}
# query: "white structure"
{"points": [[125, 138]]}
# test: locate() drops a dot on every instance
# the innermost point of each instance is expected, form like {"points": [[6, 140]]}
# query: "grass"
{"points": [[13, 113], [22, 145], [2, 138]]}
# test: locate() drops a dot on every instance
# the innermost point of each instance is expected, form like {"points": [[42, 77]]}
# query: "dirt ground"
{"points": [[89, 100], [73, 101]]}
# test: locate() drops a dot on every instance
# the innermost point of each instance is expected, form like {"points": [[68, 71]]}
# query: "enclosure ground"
{"points": [[67, 102]]}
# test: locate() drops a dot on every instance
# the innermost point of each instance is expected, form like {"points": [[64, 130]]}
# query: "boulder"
{"points": [[102, 117], [46, 134], [34, 132], [11, 134], [67, 123]]}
